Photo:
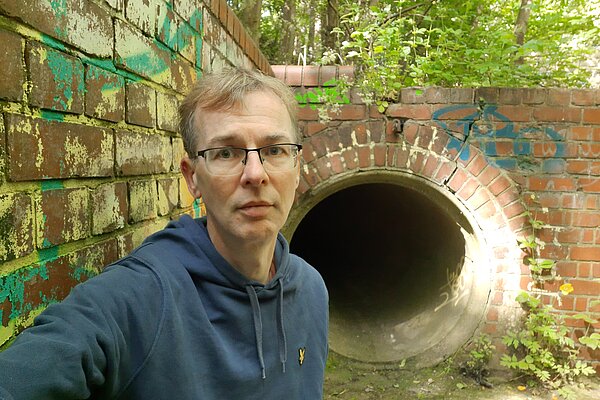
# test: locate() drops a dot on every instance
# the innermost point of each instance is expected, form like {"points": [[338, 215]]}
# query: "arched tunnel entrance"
{"points": [[399, 260]]}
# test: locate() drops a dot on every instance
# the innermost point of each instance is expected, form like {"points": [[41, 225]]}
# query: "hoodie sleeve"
{"points": [[92, 343]]}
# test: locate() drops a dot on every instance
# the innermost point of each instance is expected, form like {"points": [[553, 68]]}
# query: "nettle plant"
{"points": [[542, 349], [327, 99]]}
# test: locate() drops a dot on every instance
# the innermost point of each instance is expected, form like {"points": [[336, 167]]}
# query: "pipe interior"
{"points": [[387, 254]]}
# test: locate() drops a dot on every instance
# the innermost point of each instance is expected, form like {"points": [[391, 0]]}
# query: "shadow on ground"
{"points": [[347, 379]]}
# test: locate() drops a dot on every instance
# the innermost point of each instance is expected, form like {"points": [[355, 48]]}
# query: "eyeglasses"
{"points": [[231, 160]]}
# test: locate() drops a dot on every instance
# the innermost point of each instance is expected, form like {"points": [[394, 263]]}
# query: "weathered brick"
{"points": [[16, 226], [167, 26], [186, 41], [141, 104], [11, 63], [509, 96], [65, 216], [436, 95], [488, 95], [589, 185], [142, 200], [412, 95], [191, 12], [139, 154], [178, 152], [533, 96], [105, 94], [323, 167], [184, 75], [557, 114], [589, 150], [515, 113], [40, 149], [552, 184], [591, 116], [461, 95], [80, 23], [558, 97], [143, 14], [50, 280], [364, 156], [583, 97], [116, 4], [166, 111], [3, 158], [139, 54], [109, 207], [464, 113], [418, 111], [350, 159], [57, 79], [185, 198], [168, 193]]}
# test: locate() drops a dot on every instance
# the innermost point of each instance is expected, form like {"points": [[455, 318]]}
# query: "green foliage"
{"points": [[476, 366], [326, 99], [471, 43], [542, 348]]}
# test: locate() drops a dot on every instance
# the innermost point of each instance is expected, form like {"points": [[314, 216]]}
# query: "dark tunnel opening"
{"points": [[391, 258]]}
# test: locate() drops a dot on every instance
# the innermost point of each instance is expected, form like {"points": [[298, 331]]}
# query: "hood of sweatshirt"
{"points": [[188, 240]]}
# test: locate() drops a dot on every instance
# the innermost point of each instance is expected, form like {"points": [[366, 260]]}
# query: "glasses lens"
{"points": [[224, 161], [279, 157], [231, 160]]}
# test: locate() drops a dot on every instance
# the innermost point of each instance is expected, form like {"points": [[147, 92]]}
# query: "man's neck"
{"points": [[253, 260]]}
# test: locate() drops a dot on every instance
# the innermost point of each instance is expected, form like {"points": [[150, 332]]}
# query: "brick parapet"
{"points": [[492, 148]]}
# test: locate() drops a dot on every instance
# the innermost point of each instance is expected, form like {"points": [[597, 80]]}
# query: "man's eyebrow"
{"points": [[231, 139]]}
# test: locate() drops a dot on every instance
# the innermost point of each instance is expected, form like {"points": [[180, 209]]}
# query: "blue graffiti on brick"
{"points": [[522, 146]]}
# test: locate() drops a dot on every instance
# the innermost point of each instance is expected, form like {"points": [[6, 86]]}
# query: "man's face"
{"points": [[253, 205]]}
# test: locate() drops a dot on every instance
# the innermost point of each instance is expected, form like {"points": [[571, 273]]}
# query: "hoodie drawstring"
{"points": [[258, 327], [281, 331]]}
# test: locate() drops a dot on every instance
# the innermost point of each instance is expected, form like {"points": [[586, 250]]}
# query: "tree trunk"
{"points": [[310, 40], [521, 25], [329, 20], [250, 11], [522, 21], [289, 32]]}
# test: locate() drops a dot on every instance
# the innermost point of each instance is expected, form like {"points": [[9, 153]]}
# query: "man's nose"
{"points": [[254, 172]]}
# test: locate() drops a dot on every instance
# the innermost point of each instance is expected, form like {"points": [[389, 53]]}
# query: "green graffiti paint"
{"points": [[170, 38], [52, 115], [196, 206], [49, 254], [51, 185], [12, 288], [64, 73], [59, 7], [80, 273]]}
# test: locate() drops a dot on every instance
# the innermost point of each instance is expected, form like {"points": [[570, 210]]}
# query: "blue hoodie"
{"points": [[173, 320]]}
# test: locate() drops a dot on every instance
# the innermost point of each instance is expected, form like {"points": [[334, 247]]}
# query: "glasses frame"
{"points": [[201, 153]]}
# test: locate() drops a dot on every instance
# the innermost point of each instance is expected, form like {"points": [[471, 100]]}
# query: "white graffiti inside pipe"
{"points": [[455, 288]]}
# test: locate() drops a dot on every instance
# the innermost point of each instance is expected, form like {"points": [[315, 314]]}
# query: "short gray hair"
{"points": [[226, 89]]}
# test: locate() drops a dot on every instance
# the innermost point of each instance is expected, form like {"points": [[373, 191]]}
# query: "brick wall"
{"points": [[89, 155], [490, 148]]}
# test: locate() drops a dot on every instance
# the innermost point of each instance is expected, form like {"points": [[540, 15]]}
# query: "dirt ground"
{"points": [[351, 380]]}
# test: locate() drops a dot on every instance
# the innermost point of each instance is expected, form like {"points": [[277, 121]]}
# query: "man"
{"points": [[213, 308]]}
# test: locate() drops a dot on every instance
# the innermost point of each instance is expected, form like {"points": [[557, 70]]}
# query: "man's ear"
{"points": [[188, 170]]}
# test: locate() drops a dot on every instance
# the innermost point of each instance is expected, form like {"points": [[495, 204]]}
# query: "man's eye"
{"points": [[224, 153], [275, 151]]}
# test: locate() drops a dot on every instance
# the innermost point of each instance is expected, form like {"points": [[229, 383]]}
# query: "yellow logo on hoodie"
{"points": [[301, 352]]}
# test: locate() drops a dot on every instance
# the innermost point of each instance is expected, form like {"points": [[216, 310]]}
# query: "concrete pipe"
{"points": [[404, 266]]}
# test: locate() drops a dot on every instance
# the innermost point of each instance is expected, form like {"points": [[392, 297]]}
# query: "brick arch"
{"points": [[340, 154], [426, 151]]}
